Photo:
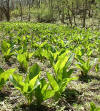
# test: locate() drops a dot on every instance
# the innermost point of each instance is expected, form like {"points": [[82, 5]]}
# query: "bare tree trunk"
{"points": [[29, 15], [84, 13], [21, 10], [59, 11], [51, 8], [12, 4], [7, 13], [73, 13], [39, 6], [1, 14], [38, 3], [70, 19], [5, 10], [62, 15]]}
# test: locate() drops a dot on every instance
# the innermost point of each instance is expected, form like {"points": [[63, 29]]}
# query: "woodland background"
{"points": [[85, 13]]}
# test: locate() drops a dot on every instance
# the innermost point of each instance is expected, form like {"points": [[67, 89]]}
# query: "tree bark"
{"points": [[84, 13], [29, 15], [7, 13], [21, 11]]}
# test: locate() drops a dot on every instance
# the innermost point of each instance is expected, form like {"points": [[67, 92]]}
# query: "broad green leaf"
{"points": [[33, 71], [1, 70], [30, 55], [61, 62], [17, 81], [67, 74], [44, 85], [21, 57], [69, 62], [93, 107], [5, 76], [53, 82], [49, 94], [5, 46], [33, 81], [27, 89], [65, 82], [7, 73]]}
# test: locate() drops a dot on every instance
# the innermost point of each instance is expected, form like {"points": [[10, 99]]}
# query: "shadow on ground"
{"points": [[33, 107], [88, 78], [96, 77], [4, 94], [70, 97]]}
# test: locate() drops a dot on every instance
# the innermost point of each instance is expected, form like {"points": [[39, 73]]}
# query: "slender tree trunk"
{"points": [[39, 3], [7, 13], [70, 19], [69, 16], [29, 15], [12, 4], [21, 10], [1, 15], [51, 8], [84, 13], [62, 15], [73, 13]]}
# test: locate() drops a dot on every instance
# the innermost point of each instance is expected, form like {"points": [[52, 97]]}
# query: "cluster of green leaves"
{"points": [[28, 85], [4, 76], [62, 74], [6, 50], [23, 59], [94, 107], [33, 85], [58, 81], [56, 44], [84, 63]]}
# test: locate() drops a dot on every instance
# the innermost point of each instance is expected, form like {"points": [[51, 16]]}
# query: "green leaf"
{"points": [[5, 76], [65, 82], [93, 107], [49, 94], [53, 82], [17, 81], [21, 57], [33, 81], [30, 55], [67, 74], [97, 68], [1, 70], [33, 71], [5, 46], [69, 62], [61, 62]]}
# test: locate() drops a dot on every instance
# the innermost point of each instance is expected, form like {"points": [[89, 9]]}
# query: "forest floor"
{"points": [[77, 96]]}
